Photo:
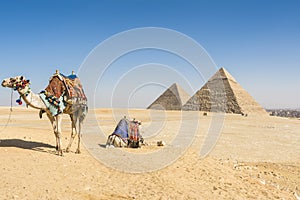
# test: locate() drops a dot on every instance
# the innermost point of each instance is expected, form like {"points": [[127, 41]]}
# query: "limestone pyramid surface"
{"points": [[222, 93], [172, 99]]}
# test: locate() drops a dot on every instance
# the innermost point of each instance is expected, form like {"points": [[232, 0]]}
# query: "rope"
{"points": [[11, 109], [11, 101]]}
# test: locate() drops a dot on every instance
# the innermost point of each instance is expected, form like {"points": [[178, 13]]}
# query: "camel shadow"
{"points": [[23, 144]]}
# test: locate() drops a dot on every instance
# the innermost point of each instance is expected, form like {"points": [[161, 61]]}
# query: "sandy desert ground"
{"points": [[255, 158]]}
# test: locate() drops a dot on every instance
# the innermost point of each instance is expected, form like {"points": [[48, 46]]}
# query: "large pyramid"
{"points": [[172, 99], [222, 93]]}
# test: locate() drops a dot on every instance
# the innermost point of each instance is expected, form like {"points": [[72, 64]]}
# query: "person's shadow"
{"points": [[23, 144]]}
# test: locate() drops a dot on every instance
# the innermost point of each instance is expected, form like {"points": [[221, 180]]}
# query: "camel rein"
{"points": [[11, 109], [11, 101]]}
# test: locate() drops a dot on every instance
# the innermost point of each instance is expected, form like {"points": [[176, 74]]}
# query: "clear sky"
{"points": [[257, 41]]}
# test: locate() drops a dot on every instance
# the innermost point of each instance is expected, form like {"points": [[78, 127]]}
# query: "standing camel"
{"points": [[77, 112]]}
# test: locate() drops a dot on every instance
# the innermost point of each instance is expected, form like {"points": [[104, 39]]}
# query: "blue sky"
{"points": [[256, 41]]}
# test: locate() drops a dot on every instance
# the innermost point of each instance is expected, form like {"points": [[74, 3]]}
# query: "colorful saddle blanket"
{"points": [[122, 129], [71, 85], [134, 133]]}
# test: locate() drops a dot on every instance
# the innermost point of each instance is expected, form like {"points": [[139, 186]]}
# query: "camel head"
{"points": [[16, 83]]}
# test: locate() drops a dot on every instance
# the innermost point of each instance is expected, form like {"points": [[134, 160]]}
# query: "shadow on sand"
{"points": [[23, 144]]}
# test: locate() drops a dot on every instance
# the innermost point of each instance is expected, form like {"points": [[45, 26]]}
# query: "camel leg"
{"points": [[74, 131], [79, 135], [58, 134], [53, 123]]}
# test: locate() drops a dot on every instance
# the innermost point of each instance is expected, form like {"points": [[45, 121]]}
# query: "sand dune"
{"points": [[254, 158]]}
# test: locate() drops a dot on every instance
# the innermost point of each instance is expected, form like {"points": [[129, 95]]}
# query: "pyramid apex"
{"points": [[174, 85], [221, 74], [222, 69]]}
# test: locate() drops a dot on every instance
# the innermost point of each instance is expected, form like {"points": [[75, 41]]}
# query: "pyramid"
{"points": [[222, 93], [172, 99]]}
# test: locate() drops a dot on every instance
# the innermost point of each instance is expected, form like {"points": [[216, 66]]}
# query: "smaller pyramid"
{"points": [[172, 99], [222, 93]]}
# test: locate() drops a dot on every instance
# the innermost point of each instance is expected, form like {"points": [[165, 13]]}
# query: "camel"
{"points": [[126, 134], [77, 112]]}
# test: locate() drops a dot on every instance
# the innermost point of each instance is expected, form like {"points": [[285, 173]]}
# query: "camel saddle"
{"points": [[68, 86]]}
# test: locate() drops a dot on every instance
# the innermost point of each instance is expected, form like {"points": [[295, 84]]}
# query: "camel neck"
{"points": [[31, 99]]}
